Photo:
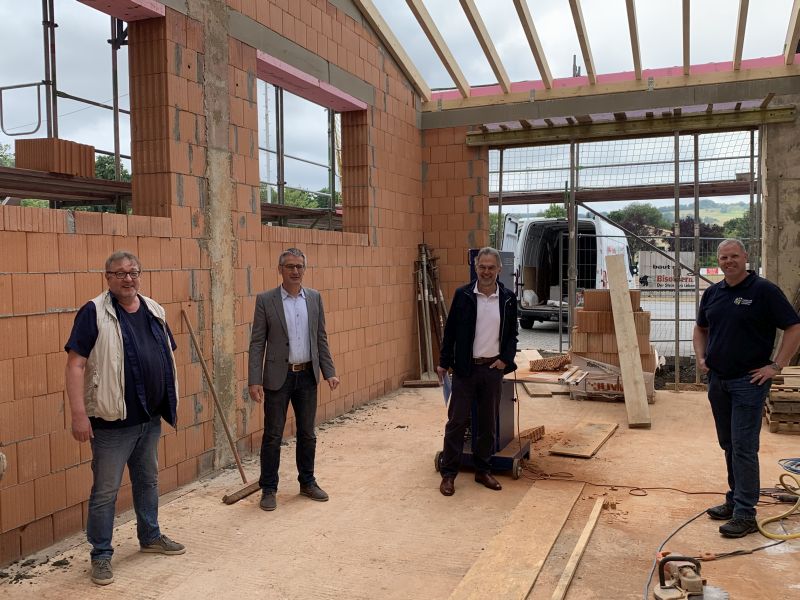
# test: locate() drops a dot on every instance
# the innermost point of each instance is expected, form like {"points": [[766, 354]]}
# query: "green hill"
{"points": [[714, 213]]}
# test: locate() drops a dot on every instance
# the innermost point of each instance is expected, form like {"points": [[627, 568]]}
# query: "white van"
{"points": [[541, 251]]}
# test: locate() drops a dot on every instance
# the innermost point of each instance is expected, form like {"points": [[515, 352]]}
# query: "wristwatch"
{"points": [[777, 367]]}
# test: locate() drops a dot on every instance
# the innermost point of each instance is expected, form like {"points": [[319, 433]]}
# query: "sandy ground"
{"points": [[388, 533]]}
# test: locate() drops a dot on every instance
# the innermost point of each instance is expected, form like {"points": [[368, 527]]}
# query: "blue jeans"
{"points": [[737, 406], [112, 449], [300, 388]]}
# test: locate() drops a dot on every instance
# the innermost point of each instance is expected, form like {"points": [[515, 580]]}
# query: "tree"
{"points": [[739, 228], [104, 169], [6, 156], [707, 230], [642, 219], [555, 211]]}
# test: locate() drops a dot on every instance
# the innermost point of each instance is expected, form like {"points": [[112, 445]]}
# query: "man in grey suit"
{"points": [[289, 327]]}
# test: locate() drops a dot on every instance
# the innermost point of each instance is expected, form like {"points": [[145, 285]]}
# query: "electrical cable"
{"points": [[791, 491]]}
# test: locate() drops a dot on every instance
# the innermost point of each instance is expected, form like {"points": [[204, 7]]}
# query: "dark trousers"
{"points": [[481, 389], [300, 388], [737, 405]]}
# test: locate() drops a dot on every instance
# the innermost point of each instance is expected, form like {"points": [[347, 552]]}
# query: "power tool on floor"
{"points": [[679, 579]]}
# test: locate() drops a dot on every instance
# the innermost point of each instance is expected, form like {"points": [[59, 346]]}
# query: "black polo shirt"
{"points": [[742, 322]]}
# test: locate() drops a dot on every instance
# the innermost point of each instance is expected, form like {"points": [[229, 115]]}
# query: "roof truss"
{"points": [[583, 39], [633, 27], [741, 25], [475, 20], [533, 40]]}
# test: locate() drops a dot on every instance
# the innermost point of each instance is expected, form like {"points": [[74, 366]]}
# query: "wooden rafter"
{"points": [[649, 126], [583, 40], [792, 34], [767, 99], [634, 30], [741, 25], [437, 41], [687, 61], [525, 123], [533, 40], [382, 30], [478, 26]]}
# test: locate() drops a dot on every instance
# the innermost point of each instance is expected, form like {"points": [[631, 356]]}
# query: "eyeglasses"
{"points": [[293, 267], [124, 274]]}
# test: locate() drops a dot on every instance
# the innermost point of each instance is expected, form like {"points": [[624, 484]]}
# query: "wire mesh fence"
{"points": [[722, 156]]}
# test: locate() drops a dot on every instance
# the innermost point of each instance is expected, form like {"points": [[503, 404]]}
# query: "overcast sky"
{"points": [[84, 57]]}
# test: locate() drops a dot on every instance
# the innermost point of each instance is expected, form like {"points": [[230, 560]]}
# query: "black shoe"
{"points": [[448, 486], [738, 527], [723, 512], [268, 501], [314, 492]]}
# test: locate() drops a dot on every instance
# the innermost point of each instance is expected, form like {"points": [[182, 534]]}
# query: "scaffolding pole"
{"points": [[696, 140], [677, 266], [572, 259], [499, 234]]}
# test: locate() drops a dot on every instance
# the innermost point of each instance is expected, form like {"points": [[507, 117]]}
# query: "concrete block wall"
{"points": [[455, 191], [52, 263]]}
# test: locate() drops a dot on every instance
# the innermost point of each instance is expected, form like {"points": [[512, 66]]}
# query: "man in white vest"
{"points": [[121, 380]]}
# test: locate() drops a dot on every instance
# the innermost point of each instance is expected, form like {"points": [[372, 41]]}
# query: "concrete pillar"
{"points": [[780, 171]]}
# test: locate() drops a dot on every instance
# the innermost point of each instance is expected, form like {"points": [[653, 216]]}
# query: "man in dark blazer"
{"points": [[289, 327]]}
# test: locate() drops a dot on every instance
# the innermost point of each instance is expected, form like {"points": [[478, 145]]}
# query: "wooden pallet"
{"points": [[781, 422]]}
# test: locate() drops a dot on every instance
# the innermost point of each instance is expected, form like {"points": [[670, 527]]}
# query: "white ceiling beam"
{"points": [[687, 61], [583, 40], [792, 34], [485, 40], [533, 41], [393, 46], [633, 27], [437, 41], [741, 25]]}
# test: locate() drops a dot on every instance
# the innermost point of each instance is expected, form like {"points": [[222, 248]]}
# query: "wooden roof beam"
{"points": [[583, 40], [687, 61], [478, 26], [633, 27], [437, 41], [767, 99], [741, 25], [533, 41], [382, 30], [792, 34]]}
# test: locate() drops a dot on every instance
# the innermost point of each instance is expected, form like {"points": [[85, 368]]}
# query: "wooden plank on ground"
{"points": [[627, 344], [545, 390], [585, 439], [510, 564], [577, 553]]}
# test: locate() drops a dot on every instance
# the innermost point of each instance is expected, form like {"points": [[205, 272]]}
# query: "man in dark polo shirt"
{"points": [[121, 380], [733, 340]]}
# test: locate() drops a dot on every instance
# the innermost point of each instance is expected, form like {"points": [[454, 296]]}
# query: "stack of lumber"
{"points": [[782, 410], [594, 336]]}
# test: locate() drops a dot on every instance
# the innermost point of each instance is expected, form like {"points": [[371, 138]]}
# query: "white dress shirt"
{"points": [[487, 325], [296, 312]]}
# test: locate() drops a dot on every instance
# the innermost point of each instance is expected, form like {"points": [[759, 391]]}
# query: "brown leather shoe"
{"points": [[488, 480], [448, 486]]}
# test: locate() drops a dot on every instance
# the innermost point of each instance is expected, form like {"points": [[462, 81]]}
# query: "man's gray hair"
{"points": [[120, 255], [291, 252], [733, 241], [488, 250]]}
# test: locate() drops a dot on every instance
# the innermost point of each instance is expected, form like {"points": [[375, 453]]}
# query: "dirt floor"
{"points": [[388, 533]]}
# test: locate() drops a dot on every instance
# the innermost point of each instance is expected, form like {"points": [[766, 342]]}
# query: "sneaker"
{"points": [[268, 501], [163, 545], [101, 571], [723, 512], [738, 527], [314, 492]]}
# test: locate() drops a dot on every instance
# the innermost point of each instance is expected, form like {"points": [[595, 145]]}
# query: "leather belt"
{"points": [[481, 360], [299, 366]]}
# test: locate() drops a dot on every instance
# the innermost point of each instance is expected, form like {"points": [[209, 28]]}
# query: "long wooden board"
{"points": [[627, 344], [585, 439], [577, 553], [511, 562], [545, 390]]}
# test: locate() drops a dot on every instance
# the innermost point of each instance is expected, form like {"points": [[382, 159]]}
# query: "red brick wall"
{"points": [[455, 193]]}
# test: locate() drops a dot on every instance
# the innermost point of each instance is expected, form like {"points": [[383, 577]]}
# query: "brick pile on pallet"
{"points": [[54, 155], [594, 337], [782, 409]]}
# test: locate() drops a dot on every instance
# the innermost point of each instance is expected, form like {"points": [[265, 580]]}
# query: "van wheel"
{"points": [[526, 323]]}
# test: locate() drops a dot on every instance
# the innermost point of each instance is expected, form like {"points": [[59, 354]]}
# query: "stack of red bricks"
{"points": [[594, 336], [54, 156]]}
